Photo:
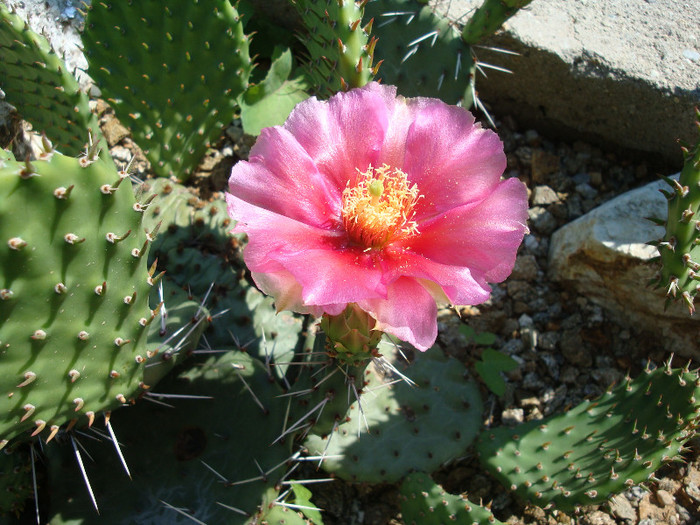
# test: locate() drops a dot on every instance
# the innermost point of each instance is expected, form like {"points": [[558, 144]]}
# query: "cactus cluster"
{"points": [[74, 290], [341, 50], [598, 448], [229, 394], [417, 426], [38, 84], [192, 62], [679, 250], [423, 502]]}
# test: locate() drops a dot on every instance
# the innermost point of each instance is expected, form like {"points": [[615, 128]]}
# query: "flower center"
{"points": [[378, 209]]}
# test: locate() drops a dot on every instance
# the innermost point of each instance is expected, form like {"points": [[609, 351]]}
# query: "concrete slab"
{"points": [[624, 72]]}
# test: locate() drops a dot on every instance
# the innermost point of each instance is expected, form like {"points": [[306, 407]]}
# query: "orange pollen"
{"points": [[378, 209]]}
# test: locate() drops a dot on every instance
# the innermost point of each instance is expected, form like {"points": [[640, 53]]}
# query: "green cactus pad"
{"points": [[36, 81], [423, 502], [415, 427], [422, 52], [16, 483], [341, 53], [196, 251], [489, 17], [172, 73], [680, 247], [73, 296], [200, 456], [173, 337], [598, 448]]}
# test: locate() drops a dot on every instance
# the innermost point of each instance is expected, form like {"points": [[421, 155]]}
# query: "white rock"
{"points": [[604, 256]]}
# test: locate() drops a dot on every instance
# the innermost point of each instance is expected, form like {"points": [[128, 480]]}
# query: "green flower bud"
{"points": [[352, 338]]}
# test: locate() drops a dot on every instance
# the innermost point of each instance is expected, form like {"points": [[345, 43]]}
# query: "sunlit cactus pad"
{"points": [[415, 427], [36, 82], [422, 52], [423, 502], [74, 291], [598, 448], [210, 455], [171, 71], [341, 51], [680, 247]]}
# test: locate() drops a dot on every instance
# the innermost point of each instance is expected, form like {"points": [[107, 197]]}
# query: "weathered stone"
{"points": [[604, 256], [544, 195], [622, 509]]}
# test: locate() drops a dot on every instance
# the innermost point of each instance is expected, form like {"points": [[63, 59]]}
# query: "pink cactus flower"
{"points": [[375, 199]]}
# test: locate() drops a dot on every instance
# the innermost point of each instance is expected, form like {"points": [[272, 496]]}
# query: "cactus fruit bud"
{"points": [[352, 338]]}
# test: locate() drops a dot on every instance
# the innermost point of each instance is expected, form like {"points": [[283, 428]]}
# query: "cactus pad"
{"points": [[416, 427], [680, 247], [340, 49], [206, 457], [199, 255], [191, 61], [423, 52], [598, 448], [74, 291], [36, 81], [423, 502]]}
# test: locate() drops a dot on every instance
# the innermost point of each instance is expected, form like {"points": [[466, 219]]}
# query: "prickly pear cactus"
{"points": [[175, 336], [36, 81], [341, 52], [598, 448], [416, 427], [680, 247], [422, 52], [489, 17], [192, 63], [74, 289], [199, 255], [423, 502], [206, 458], [16, 482]]}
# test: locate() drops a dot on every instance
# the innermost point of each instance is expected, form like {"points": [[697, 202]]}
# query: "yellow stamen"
{"points": [[378, 209]]}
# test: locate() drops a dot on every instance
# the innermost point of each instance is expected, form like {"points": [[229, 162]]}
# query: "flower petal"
{"points": [[483, 237], [452, 160], [329, 271], [409, 312], [281, 177], [287, 293], [343, 134], [458, 284]]}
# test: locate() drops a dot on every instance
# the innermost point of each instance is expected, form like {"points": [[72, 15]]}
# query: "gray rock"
{"points": [[512, 416], [623, 71], [544, 195], [604, 256], [621, 508], [542, 220]]}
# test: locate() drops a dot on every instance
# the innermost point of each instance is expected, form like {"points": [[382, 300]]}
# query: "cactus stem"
{"points": [[29, 377], [72, 238], [16, 243], [114, 238], [28, 171], [28, 411], [79, 459], [52, 433], [63, 193], [40, 425]]}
